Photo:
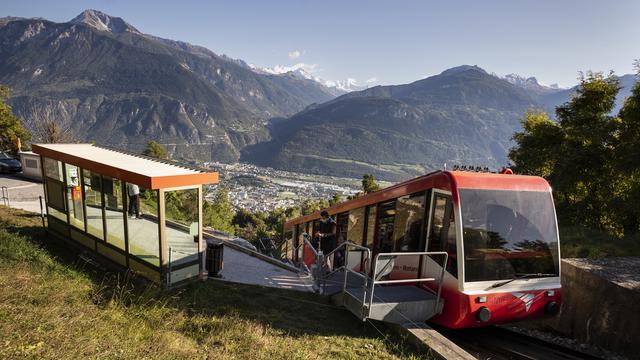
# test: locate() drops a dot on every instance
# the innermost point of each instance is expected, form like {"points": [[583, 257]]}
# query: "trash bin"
{"points": [[214, 258]]}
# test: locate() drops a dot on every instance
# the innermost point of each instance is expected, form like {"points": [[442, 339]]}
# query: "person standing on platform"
{"points": [[134, 201], [327, 234]]}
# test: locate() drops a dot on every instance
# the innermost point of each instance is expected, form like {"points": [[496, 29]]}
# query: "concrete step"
{"points": [[394, 304]]}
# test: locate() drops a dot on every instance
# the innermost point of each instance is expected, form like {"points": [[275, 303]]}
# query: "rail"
{"points": [[398, 281], [345, 267]]}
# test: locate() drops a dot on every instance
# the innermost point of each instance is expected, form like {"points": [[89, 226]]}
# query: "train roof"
{"points": [[451, 180]]}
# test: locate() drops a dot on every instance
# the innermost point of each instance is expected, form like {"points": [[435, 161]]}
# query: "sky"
{"points": [[387, 42]]}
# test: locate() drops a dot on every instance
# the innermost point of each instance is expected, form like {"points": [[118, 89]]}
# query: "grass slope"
{"points": [[53, 306]]}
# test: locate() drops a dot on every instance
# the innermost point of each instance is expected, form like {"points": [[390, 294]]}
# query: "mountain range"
{"points": [[101, 77], [111, 83]]}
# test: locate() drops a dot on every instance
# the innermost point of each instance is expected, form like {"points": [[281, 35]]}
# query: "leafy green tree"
{"points": [[11, 128], [577, 153], [336, 199], [538, 145], [369, 184], [156, 150], [219, 213], [628, 160]]}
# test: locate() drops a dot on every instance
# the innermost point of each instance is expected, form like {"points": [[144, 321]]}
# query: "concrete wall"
{"points": [[31, 167], [597, 310]]}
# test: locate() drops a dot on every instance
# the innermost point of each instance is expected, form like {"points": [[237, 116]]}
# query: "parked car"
{"points": [[9, 164]]}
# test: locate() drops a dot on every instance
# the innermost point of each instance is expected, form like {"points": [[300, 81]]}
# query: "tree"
{"points": [[577, 153], [369, 184], [156, 150], [628, 160], [11, 129], [219, 213], [538, 145], [51, 132], [336, 199]]}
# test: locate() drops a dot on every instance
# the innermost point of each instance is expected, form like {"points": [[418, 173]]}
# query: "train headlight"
{"points": [[483, 314], [551, 308]]}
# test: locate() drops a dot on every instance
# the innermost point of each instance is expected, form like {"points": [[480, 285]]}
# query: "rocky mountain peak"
{"points": [[463, 68], [103, 22]]}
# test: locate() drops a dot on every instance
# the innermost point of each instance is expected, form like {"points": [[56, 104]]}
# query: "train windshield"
{"points": [[507, 234]]}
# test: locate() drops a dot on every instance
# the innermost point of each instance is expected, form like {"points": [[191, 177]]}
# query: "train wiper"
{"points": [[522, 276]]}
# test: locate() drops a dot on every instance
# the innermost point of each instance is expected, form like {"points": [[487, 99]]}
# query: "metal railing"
{"points": [[5, 195], [347, 245], [375, 280]]}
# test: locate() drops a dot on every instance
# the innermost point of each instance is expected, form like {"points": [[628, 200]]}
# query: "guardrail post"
{"points": [[5, 196], [41, 211]]}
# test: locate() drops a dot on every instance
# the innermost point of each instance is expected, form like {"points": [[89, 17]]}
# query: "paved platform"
{"points": [[23, 193], [243, 268]]}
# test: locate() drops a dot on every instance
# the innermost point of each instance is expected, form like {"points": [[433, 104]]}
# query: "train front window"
{"points": [[508, 233]]}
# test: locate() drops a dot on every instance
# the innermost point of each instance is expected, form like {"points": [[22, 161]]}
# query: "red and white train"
{"points": [[499, 231]]}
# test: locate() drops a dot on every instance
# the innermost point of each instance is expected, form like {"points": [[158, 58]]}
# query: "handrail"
{"points": [[347, 244], [396, 254]]}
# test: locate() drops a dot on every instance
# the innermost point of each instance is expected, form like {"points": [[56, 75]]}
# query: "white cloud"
{"points": [[371, 80], [295, 54]]}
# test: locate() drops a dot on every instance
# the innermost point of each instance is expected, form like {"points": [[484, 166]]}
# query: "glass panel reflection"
{"points": [[182, 226], [93, 203], [74, 197], [142, 231], [114, 211]]}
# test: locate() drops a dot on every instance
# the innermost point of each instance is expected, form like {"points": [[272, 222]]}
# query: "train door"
{"points": [[441, 229], [384, 241], [384, 227]]}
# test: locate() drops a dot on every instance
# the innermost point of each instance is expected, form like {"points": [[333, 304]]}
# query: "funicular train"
{"points": [[499, 231]]}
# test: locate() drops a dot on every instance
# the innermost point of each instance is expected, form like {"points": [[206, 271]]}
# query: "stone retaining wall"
{"points": [[601, 303]]}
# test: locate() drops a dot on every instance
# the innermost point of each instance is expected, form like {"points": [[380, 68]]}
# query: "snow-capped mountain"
{"points": [[304, 71], [530, 83]]}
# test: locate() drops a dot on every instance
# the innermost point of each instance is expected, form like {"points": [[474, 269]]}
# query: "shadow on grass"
{"points": [[289, 312]]}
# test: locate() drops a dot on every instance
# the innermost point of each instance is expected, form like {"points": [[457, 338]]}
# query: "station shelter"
{"points": [[91, 202]]}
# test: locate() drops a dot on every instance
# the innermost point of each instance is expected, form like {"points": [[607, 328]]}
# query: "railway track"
{"points": [[498, 343]]}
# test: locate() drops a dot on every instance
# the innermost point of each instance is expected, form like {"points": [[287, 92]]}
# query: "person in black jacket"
{"points": [[326, 233]]}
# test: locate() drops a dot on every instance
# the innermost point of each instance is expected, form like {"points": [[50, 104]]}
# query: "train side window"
{"points": [[436, 239], [355, 226], [408, 222], [342, 221], [386, 218]]}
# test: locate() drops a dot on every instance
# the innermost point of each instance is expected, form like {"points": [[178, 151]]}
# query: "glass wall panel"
{"points": [[142, 232], [355, 226], [371, 226], [55, 188], [182, 227], [53, 169], [114, 211], [55, 195], [74, 197], [408, 222], [93, 201], [57, 214]]}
